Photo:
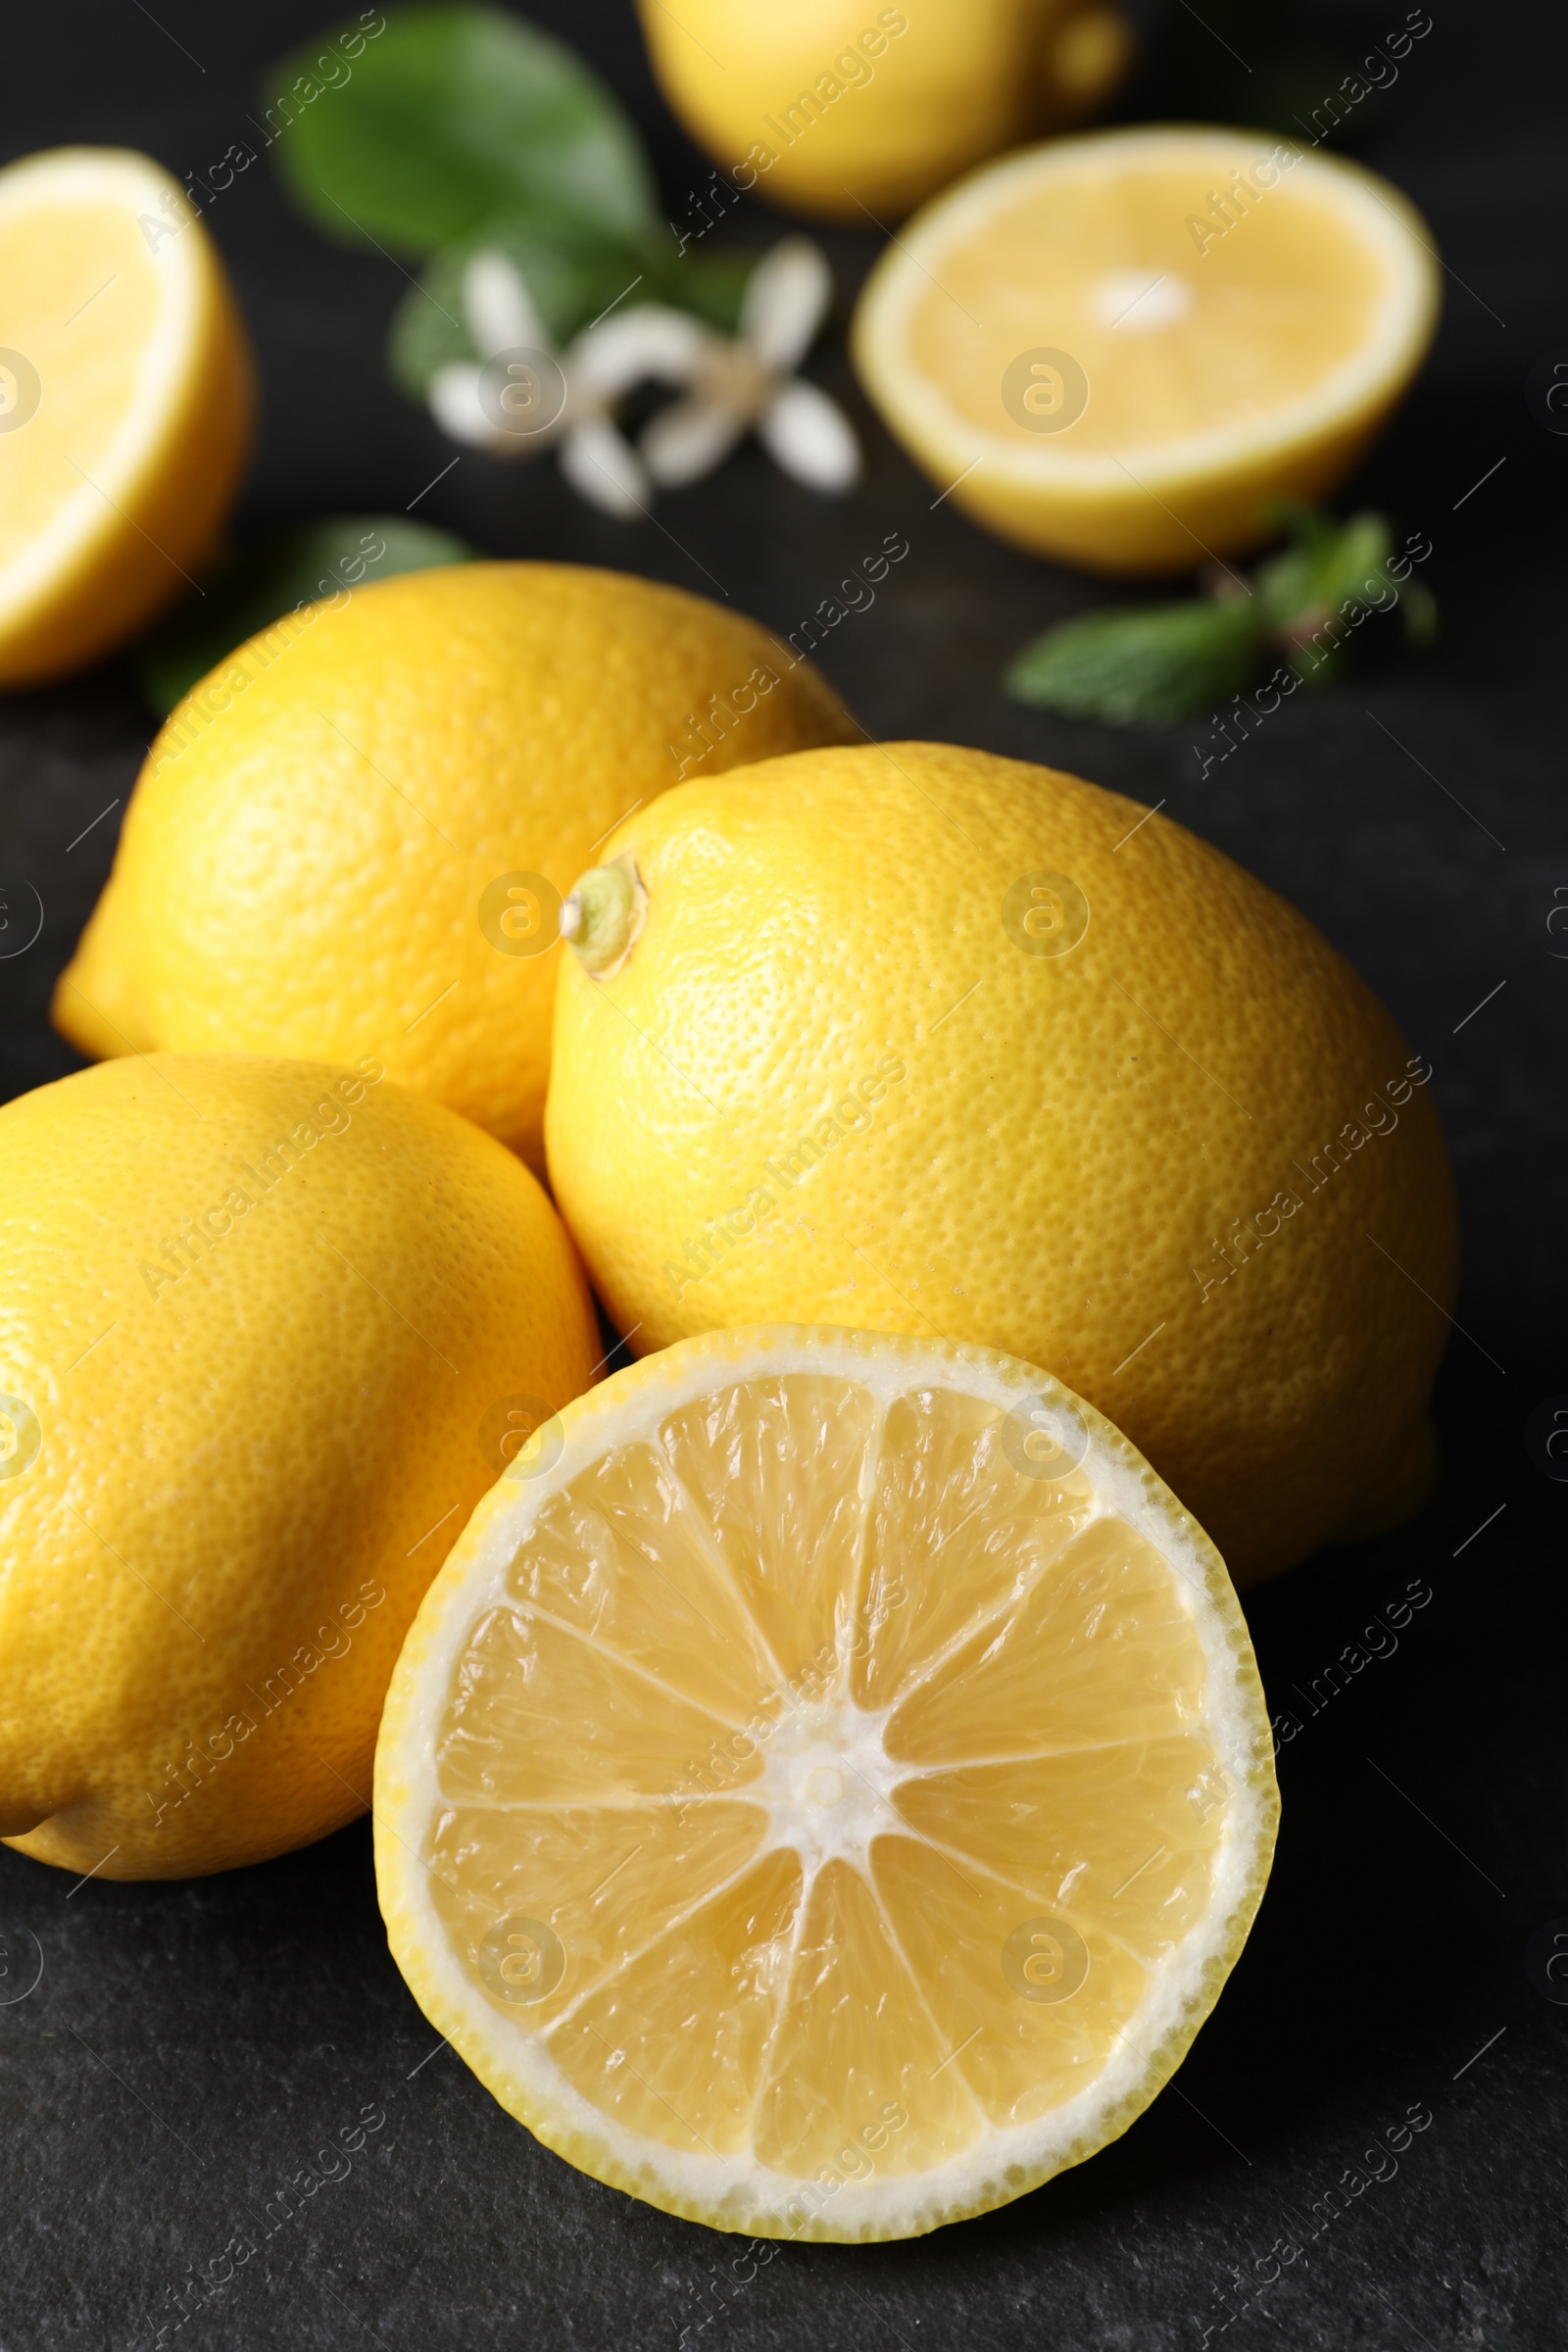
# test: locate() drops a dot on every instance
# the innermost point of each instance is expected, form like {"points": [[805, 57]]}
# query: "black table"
{"points": [[190, 2046]]}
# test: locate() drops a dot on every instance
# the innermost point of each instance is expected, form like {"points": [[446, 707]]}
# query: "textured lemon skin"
{"points": [[161, 523], [1164, 509], [951, 85], [1067, 1157], [306, 851], [405, 1768], [229, 1464]]}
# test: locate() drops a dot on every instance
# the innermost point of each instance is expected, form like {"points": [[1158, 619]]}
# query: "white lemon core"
{"points": [[1140, 302], [827, 1783]]}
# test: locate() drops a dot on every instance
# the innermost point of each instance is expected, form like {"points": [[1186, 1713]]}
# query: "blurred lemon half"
{"points": [[126, 403], [1121, 349]]}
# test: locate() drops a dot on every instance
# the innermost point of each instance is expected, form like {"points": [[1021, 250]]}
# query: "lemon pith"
{"points": [[356, 834], [825, 1795], [126, 403], [915, 1038], [264, 1325], [1204, 345]]}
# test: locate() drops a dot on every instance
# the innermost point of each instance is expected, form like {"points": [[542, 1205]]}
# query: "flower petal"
{"points": [[689, 438], [810, 437], [651, 341], [602, 467], [498, 307], [453, 393], [786, 300]]}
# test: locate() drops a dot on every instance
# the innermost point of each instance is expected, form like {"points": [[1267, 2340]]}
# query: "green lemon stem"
{"points": [[604, 913]]}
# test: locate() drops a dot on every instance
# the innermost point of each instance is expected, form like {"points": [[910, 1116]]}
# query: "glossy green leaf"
{"points": [[447, 118], [251, 587]]}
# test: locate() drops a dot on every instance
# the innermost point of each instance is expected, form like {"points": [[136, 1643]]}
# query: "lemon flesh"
{"points": [[126, 403], [827, 1786], [1129, 344]]}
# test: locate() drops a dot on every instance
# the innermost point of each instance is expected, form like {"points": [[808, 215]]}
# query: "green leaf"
{"points": [[1329, 563], [1420, 609], [249, 589], [1332, 574], [449, 117], [710, 286], [1170, 662]]}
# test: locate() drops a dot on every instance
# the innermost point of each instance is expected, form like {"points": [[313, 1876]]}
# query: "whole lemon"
{"points": [[837, 109], [914, 1039], [270, 1330], [353, 836]]}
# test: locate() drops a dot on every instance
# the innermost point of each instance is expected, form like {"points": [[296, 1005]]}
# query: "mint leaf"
{"points": [[249, 589], [449, 117], [1170, 662], [1328, 564], [1318, 591]]}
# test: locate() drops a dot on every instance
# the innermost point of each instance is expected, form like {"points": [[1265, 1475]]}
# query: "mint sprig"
{"points": [[1173, 661]]}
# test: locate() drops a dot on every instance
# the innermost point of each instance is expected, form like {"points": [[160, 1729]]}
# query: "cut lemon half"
{"points": [[126, 403], [827, 1786], [1122, 348]]}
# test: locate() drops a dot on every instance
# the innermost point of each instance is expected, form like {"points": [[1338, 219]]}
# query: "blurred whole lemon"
{"points": [[834, 109], [126, 403], [353, 835], [910, 1038], [270, 1328]]}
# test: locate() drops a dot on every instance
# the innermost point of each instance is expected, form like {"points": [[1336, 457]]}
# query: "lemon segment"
{"points": [[1128, 344], [126, 403], [826, 1800]]}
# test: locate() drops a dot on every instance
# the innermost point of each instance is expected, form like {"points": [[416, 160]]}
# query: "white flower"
{"points": [[750, 383], [566, 398]]}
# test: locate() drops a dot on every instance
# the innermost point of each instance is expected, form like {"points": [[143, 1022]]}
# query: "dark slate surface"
{"points": [[189, 2048]]}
